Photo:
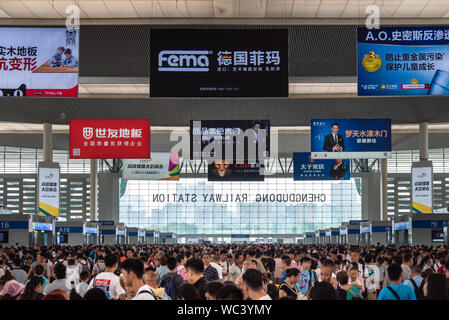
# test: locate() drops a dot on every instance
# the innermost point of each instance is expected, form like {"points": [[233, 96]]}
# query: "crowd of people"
{"points": [[224, 272]]}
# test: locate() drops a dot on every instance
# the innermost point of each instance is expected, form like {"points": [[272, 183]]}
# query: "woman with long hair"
{"points": [[33, 289], [435, 287]]}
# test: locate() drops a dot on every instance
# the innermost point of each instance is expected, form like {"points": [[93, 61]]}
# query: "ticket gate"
{"points": [[168, 238], [319, 236], [300, 239], [42, 231], [332, 236], [420, 229], [152, 237], [141, 239], [14, 229], [91, 233], [374, 232], [132, 235], [69, 233], [121, 234], [309, 238]]}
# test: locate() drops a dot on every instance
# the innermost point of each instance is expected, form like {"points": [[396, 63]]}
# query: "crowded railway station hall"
{"points": [[226, 150]]}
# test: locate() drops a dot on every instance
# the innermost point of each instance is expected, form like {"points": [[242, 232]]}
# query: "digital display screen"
{"points": [[437, 236], [3, 236], [219, 63], [230, 140], [63, 238]]}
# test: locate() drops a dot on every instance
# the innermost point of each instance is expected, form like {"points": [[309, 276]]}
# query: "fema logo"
{"points": [[184, 60], [88, 132]]}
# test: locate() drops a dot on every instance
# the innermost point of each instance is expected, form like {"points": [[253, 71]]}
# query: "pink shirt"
{"points": [[182, 271]]}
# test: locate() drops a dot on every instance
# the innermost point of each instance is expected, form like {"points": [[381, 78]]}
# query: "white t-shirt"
{"points": [[109, 283], [267, 297], [219, 269], [372, 283], [142, 294], [225, 266], [235, 272]]}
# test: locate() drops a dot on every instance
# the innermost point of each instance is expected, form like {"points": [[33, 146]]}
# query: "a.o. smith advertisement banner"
{"points": [[161, 166], [39, 62], [422, 190], [403, 61]]}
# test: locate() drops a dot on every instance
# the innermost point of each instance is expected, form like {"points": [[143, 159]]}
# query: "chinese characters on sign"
{"points": [[109, 138], [48, 191]]}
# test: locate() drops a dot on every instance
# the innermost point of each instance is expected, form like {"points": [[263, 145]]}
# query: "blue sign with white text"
{"points": [[350, 138], [306, 168], [403, 61]]}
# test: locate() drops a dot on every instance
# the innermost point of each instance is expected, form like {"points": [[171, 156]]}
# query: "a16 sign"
{"points": [[109, 138]]}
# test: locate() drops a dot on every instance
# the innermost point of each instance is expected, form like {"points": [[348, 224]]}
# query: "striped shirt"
{"points": [[210, 273]]}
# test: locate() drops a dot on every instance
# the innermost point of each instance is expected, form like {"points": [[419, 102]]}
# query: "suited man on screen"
{"points": [[333, 142], [338, 170]]}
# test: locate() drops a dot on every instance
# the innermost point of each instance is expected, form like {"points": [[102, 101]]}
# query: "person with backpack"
{"points": [[416, 282], [108, 281], [172, 280], [99, 266], [396, 290]]}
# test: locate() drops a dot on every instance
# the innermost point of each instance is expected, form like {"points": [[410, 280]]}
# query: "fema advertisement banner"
{"points": [[307, 168], [49, 185], [403, 61], [161, 166], [219, 63], [225, 171], [109, 138], [39, 62], [422, 190], [350, 138]]}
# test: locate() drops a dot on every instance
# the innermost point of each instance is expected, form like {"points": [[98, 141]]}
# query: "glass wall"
{"points": [[275, 206]]}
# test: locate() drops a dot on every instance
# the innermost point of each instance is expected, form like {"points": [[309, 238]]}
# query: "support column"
{"points": [[47, 144], [93, 189], [384, 184], [423, 141]]}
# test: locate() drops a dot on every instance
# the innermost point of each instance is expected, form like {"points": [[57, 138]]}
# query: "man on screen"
{"points": [[338, 170], [333, 142]]}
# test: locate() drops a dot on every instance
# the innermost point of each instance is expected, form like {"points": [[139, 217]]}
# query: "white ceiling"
{"points": [[107, 9]]}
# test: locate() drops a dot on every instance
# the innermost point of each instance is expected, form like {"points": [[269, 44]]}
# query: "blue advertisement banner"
{"points": [[403, 61], [10, 225], [350, 138], [307, 168]]}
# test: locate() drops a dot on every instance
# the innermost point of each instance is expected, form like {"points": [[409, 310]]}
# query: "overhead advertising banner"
{"points": [[422, 189], [350, 138], [403, 61], [48, 193], [109, 138], [307, 168], [219, 63], [161, 166], [242, 140], [223, 170], [39, 62]]}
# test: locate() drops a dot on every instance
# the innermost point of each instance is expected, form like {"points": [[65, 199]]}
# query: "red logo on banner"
{"points": [[109, 138]]}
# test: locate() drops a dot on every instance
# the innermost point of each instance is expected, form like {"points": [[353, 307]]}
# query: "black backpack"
{"points": [[419, 292]]}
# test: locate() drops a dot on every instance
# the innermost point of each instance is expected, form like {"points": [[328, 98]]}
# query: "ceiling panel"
{"points": [[305, 9], [121, 8], [61, 6], [356, 8], [173, 8], [279, 8], [388, 7], [410, 8], [16, 9], [226, 8], [331, 8], [3, 14], [43, 9], [435, 9], [253, 8], [200, 8], [95, 9], [147, 9]]}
